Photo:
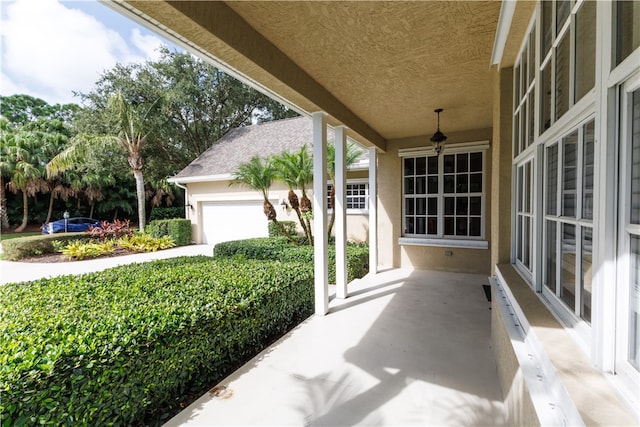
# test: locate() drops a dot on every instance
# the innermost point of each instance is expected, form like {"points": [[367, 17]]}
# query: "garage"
{"points": [[232, 220]]}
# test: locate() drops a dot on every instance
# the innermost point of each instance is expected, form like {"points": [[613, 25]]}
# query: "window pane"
{"points": [[552, 180], [432, 225], [516, 135], [461, 226], [433, 184], [421, 225], [516, 84], [449, 225], [420, 184], [409, 206], [547, 27], [409, 167], [523, 127], [530, 124], [421, 166], [462, 205], [532, 55], [587, 172], [475, 160], [587, 257], [563, 53], [449, 205], [545, 105], [449, 184], [568, 272], [569, 176], [526, 242], [462, 162], [526, 188], [628, 30], [475, 183], [519, 243], [562, 13], [635, 159], [475, 206], [585, 49], [449, 163], [550, 256], [634, 303], [432, 165], [432, 206], [462, 183], [421, 206], [409, 225], [408, 186], [474, 226]]}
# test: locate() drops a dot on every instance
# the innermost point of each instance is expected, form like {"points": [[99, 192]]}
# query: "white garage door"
{"points": [[234, 220]]}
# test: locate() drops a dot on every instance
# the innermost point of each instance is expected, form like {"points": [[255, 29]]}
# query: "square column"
{"points": [[373, 211], [320, 258], [340, 184]]}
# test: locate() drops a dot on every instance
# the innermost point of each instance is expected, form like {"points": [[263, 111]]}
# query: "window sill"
{"points": [[446, 243]]}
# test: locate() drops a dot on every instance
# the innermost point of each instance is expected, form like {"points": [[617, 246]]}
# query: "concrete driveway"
{"points": [[11, 271]]}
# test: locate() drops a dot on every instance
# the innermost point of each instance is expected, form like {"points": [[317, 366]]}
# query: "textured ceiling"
{"points": [[391, 63], [381, 68]]}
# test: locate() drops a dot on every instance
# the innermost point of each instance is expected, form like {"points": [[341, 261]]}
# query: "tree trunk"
{"points": [[332, 206], [137, 173], [93, 205], [270, 213], [295, 205], [4, 216], [25, 212], [50, 211]]}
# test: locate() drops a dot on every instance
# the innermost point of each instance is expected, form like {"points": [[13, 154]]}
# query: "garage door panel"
{"points": [[233, 220]]}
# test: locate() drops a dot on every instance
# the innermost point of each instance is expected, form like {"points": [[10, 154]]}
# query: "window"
{"points": [[443, 196], [568, 195], [524, 77], [524, 214], [567, 58], [627, 32], [357, 195]]}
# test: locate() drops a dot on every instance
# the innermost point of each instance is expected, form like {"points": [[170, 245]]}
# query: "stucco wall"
{"points": [[390, 252]]}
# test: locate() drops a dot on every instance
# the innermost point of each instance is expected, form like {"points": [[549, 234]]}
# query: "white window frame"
{"points": [[352, 181], [440, 239]]}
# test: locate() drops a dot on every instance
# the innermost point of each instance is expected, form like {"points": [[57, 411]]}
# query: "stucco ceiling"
{"points": [[381, 68]]}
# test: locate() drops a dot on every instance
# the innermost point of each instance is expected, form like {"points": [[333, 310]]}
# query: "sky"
{"points": [[52, 48]]}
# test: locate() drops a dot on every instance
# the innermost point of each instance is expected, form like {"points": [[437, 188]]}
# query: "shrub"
{"points": [[26, 247], [167, 213], [125, 345], [141, 242], [111, 230], [289, 226], [178, 229], [280, 249], [82, 250]]}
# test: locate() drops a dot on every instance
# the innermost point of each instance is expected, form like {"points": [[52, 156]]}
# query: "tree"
{"points": [[128, 122], [296, 171], [259, 176]]}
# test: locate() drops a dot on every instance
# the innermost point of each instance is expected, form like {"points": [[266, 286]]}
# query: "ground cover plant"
{"points": [[279, 248], [126, 345]]}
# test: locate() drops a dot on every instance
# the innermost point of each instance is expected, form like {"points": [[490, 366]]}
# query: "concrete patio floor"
{"points": [[408, 347]]}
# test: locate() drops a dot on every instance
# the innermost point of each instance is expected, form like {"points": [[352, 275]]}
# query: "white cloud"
{"points": [[52, 49]]}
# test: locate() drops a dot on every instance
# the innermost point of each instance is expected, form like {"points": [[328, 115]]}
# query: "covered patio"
{"points": [[409, 347]]}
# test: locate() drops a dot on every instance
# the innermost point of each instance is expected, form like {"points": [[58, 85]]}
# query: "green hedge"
{"points": [[167, 213], [178, 229], [278, 248], [126, 345], [26, 247]]}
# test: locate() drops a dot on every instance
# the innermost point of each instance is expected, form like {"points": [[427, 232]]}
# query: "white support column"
{"points": [[373, 211], [340, 184], [321, 267]]}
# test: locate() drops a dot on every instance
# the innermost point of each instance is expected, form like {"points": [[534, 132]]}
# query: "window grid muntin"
{"points": [[356, 195]]}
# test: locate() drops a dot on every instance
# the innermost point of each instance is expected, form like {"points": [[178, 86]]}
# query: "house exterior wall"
{"points": [[390, 224], [217, 191]]}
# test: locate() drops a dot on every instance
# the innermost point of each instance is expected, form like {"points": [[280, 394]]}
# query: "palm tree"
{"points": [[130, 122], [258, 176], [353, 152], [296, 171]]}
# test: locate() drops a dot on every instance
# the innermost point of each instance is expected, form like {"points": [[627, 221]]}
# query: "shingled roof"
{"points": [[239, 145]]}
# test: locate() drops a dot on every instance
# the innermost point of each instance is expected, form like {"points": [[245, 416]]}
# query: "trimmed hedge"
{"points": [[279, 248], [167, 212], [290, 226], [26, 247], [178, 229], [126, 345]]}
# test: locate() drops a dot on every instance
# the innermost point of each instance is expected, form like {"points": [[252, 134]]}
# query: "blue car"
{"points": [[73, 225]]}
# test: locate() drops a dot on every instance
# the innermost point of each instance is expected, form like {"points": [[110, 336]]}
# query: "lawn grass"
{"points": [[12, 235]]}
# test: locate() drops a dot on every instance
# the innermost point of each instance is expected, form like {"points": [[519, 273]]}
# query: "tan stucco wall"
{"points": [[502, 167], [201, 192], [392, 254]]}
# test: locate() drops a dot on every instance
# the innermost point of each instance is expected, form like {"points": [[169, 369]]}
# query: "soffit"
{"points": [[380, 68]]}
